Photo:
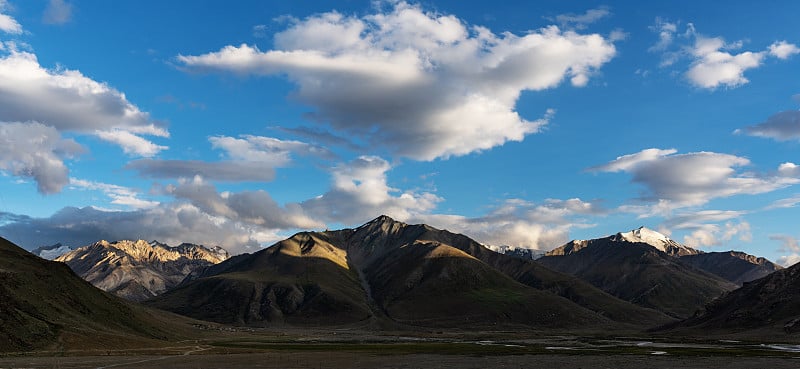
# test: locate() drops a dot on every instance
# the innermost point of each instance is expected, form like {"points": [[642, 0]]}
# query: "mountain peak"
{"points": [[383, 219], [656, 239]]}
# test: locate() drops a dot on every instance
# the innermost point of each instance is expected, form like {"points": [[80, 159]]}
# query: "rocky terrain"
{"points": [[641, 266], [139, 270], [388, 273], [771, 304]]}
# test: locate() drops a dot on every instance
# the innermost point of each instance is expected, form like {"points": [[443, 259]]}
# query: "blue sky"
{"points": [[515, 123]]}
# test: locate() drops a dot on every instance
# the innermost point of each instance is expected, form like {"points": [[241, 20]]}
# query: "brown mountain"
{"points": [[388, 272], [44, 305], [637, 266], [769, 305], [735, 266], [138, 270]]}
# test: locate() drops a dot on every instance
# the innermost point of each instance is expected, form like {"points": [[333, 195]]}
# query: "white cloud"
{"points": [[789, 247], [66, 99], [57, 12], [783, 126], [245, 159], [52, 102], [520, 223], [131, 144], [705, 235], [422, 85], [783, 49], [713, 62], [679, 180], [255, 208], [713, 67], [789, 202], [359, 192], [36, 151], [7, 23], [232, 171], [119, 195], [267, 150], [666, 33], [172, 223], [581, 21]]}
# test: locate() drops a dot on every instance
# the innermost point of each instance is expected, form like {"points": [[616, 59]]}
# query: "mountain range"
{"points": [[651, 270], [388, 273], [44, 305], [139, 270]]}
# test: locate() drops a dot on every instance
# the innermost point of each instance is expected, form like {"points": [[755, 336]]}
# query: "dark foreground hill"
{"points": [[643, 267], [391, 273], [44, 305], [770, 305]]}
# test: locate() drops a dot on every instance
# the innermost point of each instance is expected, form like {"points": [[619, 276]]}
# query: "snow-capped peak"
{"points": [[645, 235], [655, 239], [51, 252]]}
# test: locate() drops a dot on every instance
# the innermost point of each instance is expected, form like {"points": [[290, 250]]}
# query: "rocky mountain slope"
{"points": [[735, 266], [391, 273], [44, 305], [138, 270], [641, 267], [770, 304]]}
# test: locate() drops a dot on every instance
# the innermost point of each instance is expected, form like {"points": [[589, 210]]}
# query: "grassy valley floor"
{"points": [[294, 348]]}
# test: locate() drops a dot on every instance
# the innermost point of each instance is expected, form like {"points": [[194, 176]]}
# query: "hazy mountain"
{"points": [[770, 304], [138, 270], [638, 266], [51, 252], [388, 272], [517, 252], [735, 266], [43, 304]]}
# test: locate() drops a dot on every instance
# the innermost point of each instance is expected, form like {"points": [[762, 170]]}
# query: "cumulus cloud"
{"points": [[173, 223], [359, 191], [66, 99], [784, 126], [520, 223], [7, 23], [783, 49], [713, 63], [790, 247], [267, 149], [420, 84], [57, 101], [705, 235], [581, 21], [255, 208], [119, 195], [666, 33], [247, 158], [131, 144], [230, 171], [57, 12], [679, 180], [36, 151], [715, 66]]}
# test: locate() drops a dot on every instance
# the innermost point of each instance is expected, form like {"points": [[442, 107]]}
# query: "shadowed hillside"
{"points": [[388, 272], [43, 304]]}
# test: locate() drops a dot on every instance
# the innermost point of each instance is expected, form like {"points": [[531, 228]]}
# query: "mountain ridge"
{"points": [[138, 270], [388, 272]]}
